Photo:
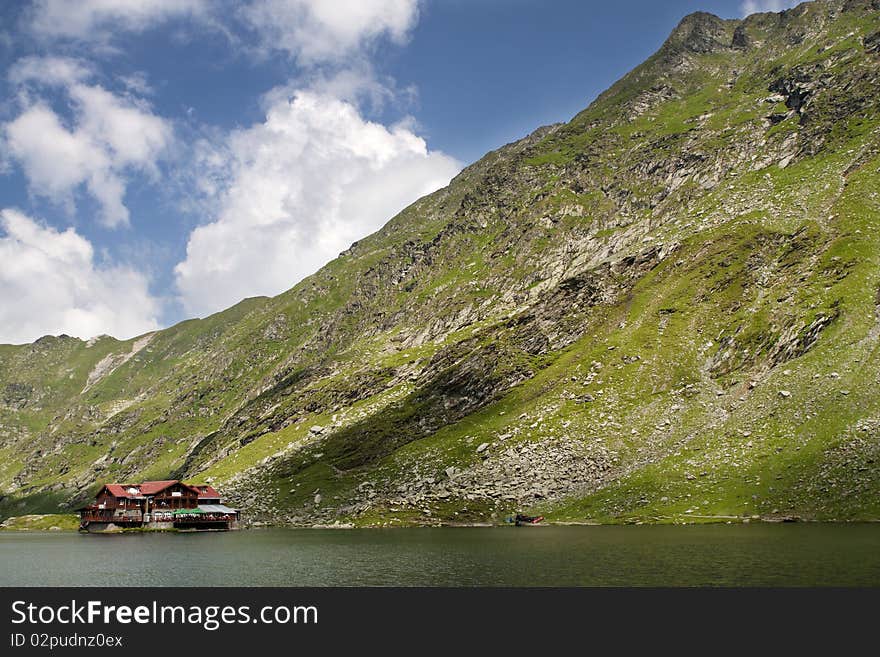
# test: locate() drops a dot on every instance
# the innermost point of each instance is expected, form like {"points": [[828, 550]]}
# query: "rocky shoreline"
{"points": [[36, 522]]}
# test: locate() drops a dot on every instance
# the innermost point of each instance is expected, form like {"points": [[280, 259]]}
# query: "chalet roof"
{"points": [[216, 508], [129, 491], [153, 487], [206, 492], [138, 491]]}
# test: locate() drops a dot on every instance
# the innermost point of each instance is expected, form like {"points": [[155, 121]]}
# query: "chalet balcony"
{"points": [[111, 515]]}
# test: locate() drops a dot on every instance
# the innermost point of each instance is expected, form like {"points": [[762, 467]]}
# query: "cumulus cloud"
{"points": [[50, 283], [96, 20], [749, 7], [111, 136], [359, 84], [285, 195], [318, 31], [294, 191]]}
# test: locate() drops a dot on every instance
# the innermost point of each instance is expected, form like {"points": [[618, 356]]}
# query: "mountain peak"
{"points": [[701, 32]]}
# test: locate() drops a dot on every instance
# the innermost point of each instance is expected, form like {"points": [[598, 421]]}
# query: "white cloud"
{"points": [[296, 190], [96, 20], [51, 284], [111, 137], [55, 160], [286, 195], [137, 83], [53, 71], [749, 7], [317, 30], [313, 31], [132, 134], [358, 83]]}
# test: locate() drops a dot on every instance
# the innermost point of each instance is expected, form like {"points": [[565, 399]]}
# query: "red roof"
{"points": [[122, 490], [153, 487], [206, 491]]}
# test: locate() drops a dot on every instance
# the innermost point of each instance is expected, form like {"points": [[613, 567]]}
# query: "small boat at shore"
{"points": [[521, 520]]}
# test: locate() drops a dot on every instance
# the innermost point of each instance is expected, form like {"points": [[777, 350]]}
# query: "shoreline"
{"points": [[61, 523]]}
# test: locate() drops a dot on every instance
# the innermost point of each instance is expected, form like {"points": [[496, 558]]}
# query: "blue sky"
{"points": [[166, 158]]}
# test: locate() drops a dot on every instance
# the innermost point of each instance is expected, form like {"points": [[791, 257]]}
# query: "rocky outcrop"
{"points": [[17, 395], [699, 33], [796, 89], [111, 362]]}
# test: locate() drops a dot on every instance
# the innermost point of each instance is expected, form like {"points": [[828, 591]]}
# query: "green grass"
{"points": [[50, 522]]}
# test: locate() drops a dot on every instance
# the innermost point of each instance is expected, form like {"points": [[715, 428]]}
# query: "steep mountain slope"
{"points": [[666, 309]]}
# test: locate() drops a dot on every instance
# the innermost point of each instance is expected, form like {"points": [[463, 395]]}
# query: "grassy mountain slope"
{"points": [[666, 309]]}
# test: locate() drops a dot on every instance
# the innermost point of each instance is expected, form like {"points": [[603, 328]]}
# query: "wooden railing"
{"points": [[109, 515], [97, 516], [202, 518]]}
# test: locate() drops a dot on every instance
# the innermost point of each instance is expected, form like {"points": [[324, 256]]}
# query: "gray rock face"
{"points": [[741, 39], [700, 32], [17, 395], [797, 89], [277, 330]]}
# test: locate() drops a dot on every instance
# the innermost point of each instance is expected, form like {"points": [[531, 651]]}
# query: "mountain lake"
{"points": [[699, 555]]}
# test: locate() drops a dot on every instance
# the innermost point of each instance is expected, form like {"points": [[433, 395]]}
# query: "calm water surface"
{"points": [[716, 555]]}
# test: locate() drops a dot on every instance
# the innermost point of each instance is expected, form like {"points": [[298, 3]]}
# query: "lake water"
{"points": [[713, 555]]}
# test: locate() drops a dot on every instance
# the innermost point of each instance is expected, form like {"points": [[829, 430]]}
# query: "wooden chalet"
{"points": [[167, 504]]}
